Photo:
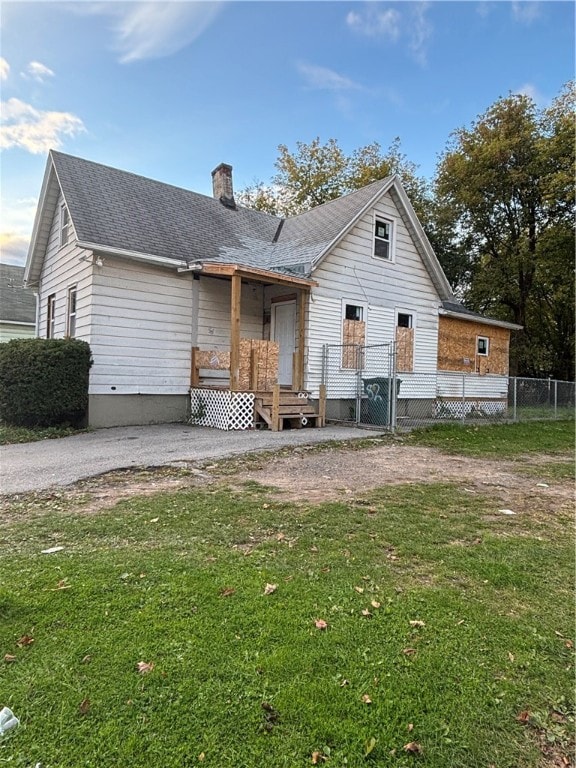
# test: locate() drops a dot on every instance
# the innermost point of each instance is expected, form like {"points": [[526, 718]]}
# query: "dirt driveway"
{"points": [[316, 473]]}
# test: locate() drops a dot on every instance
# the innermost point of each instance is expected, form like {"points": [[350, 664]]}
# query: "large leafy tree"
{"points": [[316, 173], [505, 210]]}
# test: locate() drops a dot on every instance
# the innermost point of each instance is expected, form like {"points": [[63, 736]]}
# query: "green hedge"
{"points": [[44, 382]]}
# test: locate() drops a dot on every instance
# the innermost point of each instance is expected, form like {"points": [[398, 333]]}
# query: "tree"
{"points": [[505, 196], [317, 173]]}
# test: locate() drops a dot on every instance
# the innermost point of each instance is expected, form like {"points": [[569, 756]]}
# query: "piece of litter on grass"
{"points": [[154, 520], [51, 550], [542, 485], [506, 512], [8, 720]]}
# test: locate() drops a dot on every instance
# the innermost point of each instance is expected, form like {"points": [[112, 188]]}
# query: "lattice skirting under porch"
{"points": [[222, 409]]}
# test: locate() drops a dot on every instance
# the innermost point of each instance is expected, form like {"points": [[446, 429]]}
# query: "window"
{"points": [[353, 334], [51, 316], [353, 312], [482, 345], [71, 320], [65, 225], [383, 239], [404, 320]]}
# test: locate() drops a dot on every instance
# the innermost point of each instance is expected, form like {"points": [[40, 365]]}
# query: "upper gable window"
{"points": [[65, 226], [383, 239]]}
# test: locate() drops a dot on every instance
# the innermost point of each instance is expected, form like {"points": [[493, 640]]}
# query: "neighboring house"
{"points": [[173, 290], [17, 305]]}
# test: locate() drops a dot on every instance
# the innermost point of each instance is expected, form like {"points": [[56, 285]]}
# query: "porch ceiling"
{"points": [[253, 273]]}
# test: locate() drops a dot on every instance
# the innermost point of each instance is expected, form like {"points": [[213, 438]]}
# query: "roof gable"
{"points": [[122, 212]]}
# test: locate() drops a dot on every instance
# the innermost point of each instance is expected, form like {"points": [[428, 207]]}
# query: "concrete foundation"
{"points": [[136, 410]]}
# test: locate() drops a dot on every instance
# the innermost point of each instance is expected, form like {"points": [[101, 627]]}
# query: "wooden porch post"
{"points": [[299, 372], [235, 305]]}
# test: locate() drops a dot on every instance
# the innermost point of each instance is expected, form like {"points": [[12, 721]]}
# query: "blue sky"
{"points": [[170, 90]]}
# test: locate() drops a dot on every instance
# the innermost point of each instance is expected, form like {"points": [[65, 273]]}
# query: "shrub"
{"points": [[44, 382]]}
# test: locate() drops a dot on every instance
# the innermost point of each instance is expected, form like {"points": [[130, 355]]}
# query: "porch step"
{"points": [[294, 411]]}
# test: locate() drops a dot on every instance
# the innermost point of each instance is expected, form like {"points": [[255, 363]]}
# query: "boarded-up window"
{"points": [[404, 342], [353, 335]]}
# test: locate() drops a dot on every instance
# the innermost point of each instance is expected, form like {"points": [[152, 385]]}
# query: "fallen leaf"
{"points": [[369, 746], [360, 590], [9, 658], [24, 641], [201, 756], [510, 656], [506, 512], [265, 506], [227, 591], [154, 520], [317, 756], [314, 549], [320, 624], [413, 747], [144, 667], [417, 623], [51, 550], [84, 706], [569, 644], [366, 612], [269, 589], [409, 651], [86, 659], [375, 604], [523, 717], [280, 536], [344, 682], [366, 699]]}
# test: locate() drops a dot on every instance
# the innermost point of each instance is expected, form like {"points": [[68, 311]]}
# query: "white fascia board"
{"points": [[149, 258], [478, 319], [16, 322], [38, 218]]}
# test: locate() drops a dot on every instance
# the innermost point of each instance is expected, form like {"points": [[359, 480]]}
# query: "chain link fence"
{"points": [[363, 387]]}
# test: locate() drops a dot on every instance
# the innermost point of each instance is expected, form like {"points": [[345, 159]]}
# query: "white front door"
{"points": [[284, 332]]}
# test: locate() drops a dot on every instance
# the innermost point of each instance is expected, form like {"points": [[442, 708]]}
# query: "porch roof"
{"points": [[216, 269]]}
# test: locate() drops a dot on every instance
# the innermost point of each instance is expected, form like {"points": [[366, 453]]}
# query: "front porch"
{"points": [[256, 380]]}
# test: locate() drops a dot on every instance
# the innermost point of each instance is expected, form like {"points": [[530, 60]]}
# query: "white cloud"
{"points": [[153, 30], [34, 130], [409, 26], [326, 79], [374, 22], [530, 90], [13, 248], [4, 69], [421, 30], [525, 12], [37, 71]]}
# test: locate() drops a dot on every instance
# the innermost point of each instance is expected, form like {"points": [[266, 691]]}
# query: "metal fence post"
{"points": [[555, 398], [463, 399], [515, 398]]}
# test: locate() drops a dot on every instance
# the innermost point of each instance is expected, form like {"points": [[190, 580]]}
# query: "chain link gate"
{"points": [[361, 383]]}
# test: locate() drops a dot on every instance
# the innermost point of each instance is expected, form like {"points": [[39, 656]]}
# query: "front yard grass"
{"points": [[448, 639]]}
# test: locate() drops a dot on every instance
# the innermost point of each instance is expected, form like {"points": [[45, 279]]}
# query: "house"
{"points": [[178, 292], [17, 305]]}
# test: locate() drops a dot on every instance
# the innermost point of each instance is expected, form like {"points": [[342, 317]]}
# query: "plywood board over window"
{"points": [[458, 347], [404, 349], [353, 337]]}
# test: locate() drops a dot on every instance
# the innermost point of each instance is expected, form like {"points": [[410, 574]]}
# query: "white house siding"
{"points": [[350, 272], [63, 268], [471, 385], [141, 335], [214, 297], [16, 331]]}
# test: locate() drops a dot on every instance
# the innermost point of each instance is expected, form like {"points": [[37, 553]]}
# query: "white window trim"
{"points": [[65, 229], [487, 340], [392, 251], [51, 320], [69, 313], [404, 311]]}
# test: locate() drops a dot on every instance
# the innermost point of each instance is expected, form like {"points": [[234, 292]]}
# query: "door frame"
{"points": [[283, 303]]}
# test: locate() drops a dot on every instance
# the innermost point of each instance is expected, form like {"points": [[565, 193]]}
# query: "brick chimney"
{"points": [[222, 185]]}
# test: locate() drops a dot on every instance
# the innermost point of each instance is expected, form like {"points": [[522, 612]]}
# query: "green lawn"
{"points": [[445, 621], [10, 434]]}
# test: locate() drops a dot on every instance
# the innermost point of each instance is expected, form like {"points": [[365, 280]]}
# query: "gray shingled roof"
{"points": [[120, 210], [17, 304]]}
